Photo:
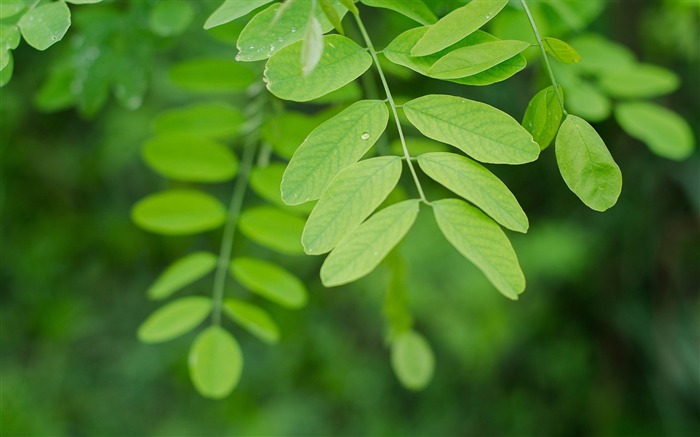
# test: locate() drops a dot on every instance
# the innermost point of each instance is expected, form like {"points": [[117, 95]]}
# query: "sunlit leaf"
{"points": [[350, 197], [231, 10], [543, 116], [174, 319], [181, 273], [331, 147], [272, 228], [412, 360], [476, 184], [210, 120], [562, 51], [215, 362], [45, 25], [666, 133], [270, 281], [586, 164], [212, 75], [253, 318], [363, 249], [485, 133], [456, 25], [178, 212], [479, 239], [190, 158], [413, 9], [471, 60]]}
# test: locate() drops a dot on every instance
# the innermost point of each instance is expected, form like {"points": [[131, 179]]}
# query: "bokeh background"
{"points": [[605, 341]]}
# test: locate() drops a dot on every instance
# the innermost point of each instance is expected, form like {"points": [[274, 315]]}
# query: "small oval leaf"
{"points": [[270, 281], [210, 120], [252, 318], [272, 228], [45, 25], [178, 212], [471, 60], [215, 362], [212, 75], [561, 51], [182, 272], [414, 9], [543, 116], [639, 81], [412, 360], [174, 319]]}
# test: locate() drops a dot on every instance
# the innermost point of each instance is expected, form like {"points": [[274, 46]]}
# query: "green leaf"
{"points": [[212, 75], [586, 164], [471, 60], [587, 101], [278, 26], [215, 363], [599, 55], [45, 25], [363, 249], [543, 116], [413, 9], [190, 158], [481, 241], [285, 131], [331, 147], [83, 2], [9, 40], [476, 184], [639, 81], [6, 73], [482, 131], [253, 318], [412, 360], [350, 197], [456, 25], [174, 319], [209, 120], [561, 51], [666, 133], [272, 228], [231, 10], [332, 14], [178, 212], [11, 8], [270, 281], [171, 17], [350, 5], [265, 182], [399, 52], [311, 46], [342, 62], [182, 272]]}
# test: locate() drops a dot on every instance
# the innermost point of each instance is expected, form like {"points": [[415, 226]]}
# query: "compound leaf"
{"points": [[178, 212], [481, 241], [543, 116], [272, 228], [413, 9], [482, 131], [231, 10], [182, 272], [350, 197], [586, 164], [412, 360], [331, 147], [45, 25], [215, 362], [174, 319], [364, 248], [253, 318], [270, 281], [470, 60], [476, 184]]}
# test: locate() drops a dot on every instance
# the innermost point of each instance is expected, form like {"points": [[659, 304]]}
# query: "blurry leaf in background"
{"points": [[275, 229], [181, 273], [253, 318], [45, 25], [171, 17], [231, 10], [412, 360], [178, 212], [9, 40], [215, 362], [212, 75], [211, 120], [270, 281], [174, 319], [265, 182], [413, 9]]}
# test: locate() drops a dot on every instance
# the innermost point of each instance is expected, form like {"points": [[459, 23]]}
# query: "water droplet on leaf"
{"points": [[365, 136]]}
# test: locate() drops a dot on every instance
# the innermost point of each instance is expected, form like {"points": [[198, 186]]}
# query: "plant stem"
{"points": [[234, 212], [544, 56], [389, 97]]}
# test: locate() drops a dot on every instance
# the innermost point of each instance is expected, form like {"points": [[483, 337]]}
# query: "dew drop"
{"points": [[239, 57], [365, 136], [279, 39], [294, 29]]}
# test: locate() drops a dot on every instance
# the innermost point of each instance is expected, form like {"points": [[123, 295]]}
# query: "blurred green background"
{"points": [[605, 341]]}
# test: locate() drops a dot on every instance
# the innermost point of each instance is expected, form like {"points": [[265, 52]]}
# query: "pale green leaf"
{"points": [[265, 182], [342, 62], [231, 10], [212, 75], [209, 120], [639, 81], [286, 131], [178, 212], [331, 147], [190, 158], [332, 14], [278, 26], [561, 51], [666, 133], [45, 25], [174, 319], [9, 40], [468, 61], [413, 9], [600, 55], [350, 197], [215, 362], [171, 17], [476, 184], [412, 360], [479, 239], [6, 73], [543, 116], [11, 8], [485, 133], [182, 272], [311, 46], [272, 228], [363, 249], [350, 5], [399, 52], [456, 25], [253, 318], [270, 281], [586, 164], [587, 101]]}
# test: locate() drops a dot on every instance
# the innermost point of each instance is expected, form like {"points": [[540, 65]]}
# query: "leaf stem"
{"points": [[544, 56], [392, 104]]}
